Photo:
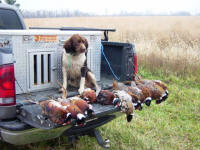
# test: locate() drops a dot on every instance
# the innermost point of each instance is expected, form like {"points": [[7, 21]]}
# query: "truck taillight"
{"points": [[135, 65], [7, 85]]}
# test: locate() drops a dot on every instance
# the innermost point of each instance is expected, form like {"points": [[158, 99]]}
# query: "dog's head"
{"points": [[76, 44]]}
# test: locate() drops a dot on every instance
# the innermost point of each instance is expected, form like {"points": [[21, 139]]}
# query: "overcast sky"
{"points": [[113, 6]]}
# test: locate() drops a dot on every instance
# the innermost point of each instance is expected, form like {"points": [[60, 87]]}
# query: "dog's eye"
{"points": [[79, 41]]}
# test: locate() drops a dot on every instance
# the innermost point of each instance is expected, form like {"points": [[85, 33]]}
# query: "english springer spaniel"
{"points": [[74, 64]]}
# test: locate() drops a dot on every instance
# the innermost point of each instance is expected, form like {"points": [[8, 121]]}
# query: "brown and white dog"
{"points": [[74, 64]]}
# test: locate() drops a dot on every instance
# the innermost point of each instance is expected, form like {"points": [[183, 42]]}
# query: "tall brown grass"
{"points": [[171, 44]]}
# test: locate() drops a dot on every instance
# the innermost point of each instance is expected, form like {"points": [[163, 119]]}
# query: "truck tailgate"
{"points": [[31, 115]]}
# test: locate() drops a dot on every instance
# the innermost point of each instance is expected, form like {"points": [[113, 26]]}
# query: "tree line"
{"points": [[77, 13], [55, 13]]}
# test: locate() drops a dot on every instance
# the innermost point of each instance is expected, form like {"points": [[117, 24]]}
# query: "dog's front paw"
{"points": [[64, 93], [80, 90], [60, 90], [98, 89]]}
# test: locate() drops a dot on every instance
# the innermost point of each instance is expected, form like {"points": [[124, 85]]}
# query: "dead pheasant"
{"points": [[143, 93], [124, 101], [55, 111], [164, 86], [82, 105], [89, 95], [122, 87], [105, 97], [139, 96], [158, 91], [74, 110]]}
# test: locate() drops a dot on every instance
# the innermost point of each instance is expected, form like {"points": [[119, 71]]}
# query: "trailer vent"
{"points": [[41, 74]]}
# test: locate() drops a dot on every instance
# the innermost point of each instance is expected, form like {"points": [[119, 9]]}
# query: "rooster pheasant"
{"points": [[55, 111], [158, 89]]}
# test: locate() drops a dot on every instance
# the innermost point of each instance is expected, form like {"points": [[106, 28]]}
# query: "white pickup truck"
{"points": [[30, 65]]}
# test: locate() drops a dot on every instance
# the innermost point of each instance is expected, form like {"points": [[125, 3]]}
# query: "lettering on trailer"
{"points": [[45, 38]]}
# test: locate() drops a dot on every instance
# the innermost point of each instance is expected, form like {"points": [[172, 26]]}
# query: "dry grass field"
{"points": [[168, 49], [170, 43]]}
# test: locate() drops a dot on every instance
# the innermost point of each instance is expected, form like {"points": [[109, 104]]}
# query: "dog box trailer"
{"points": [[30, 66], [37, 56]]}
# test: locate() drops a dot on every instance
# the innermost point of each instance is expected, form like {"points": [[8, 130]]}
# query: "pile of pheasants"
{"points": [[128, 97]]}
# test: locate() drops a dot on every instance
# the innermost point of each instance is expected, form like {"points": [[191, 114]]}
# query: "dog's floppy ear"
{"points": [[86, 43], [68, 46]]}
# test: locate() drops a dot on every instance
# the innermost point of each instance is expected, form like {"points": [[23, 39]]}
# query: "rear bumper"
{"points": [[31, 135], [36, 135], [7, 112]]}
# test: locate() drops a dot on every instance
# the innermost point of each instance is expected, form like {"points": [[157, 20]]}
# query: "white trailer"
{"points": [[37, 56]]}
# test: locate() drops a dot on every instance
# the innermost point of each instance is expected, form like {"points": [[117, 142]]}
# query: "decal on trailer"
{"points": [[45, 38], [6, 56], [6, 42]]}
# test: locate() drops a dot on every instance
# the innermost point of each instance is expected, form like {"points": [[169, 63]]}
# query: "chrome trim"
{"points": [[31, 135]]}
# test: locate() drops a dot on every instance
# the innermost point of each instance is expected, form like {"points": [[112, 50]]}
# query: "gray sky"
{"points": [[113, 6]]}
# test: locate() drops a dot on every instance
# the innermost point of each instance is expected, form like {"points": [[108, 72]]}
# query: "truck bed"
{"points": [[105, 83]]}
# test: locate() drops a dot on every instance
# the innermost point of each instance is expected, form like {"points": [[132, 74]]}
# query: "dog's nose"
{"points": [[83, 50]]}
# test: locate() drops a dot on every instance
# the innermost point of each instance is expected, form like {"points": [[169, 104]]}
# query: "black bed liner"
{"points": [[106, 83]]}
